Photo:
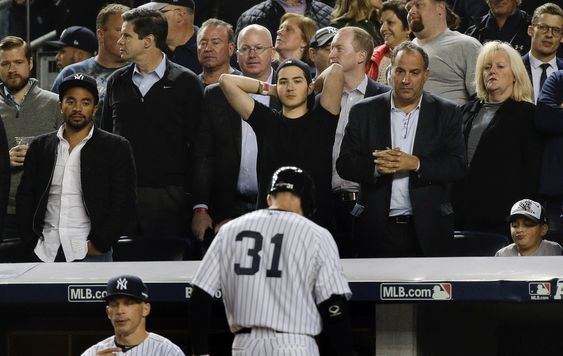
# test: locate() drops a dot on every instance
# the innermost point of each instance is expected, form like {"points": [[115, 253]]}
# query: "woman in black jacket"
{"points": [[504, 150]]}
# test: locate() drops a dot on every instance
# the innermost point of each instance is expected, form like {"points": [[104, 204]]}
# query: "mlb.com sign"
{"points": [[415, 291]]}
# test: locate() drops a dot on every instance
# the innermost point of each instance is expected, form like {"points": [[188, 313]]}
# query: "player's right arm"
{"points": [[236, 89], [336, 324], [200, 320]]}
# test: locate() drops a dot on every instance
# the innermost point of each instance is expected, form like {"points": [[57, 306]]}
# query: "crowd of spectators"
{"points": [[391, 106]]}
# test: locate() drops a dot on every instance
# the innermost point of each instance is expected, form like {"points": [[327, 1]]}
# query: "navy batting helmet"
{"points": [[297, 181]]}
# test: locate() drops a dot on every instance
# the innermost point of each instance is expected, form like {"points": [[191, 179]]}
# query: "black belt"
{"points": [[249, 330], [346, 196], [401, 219]]}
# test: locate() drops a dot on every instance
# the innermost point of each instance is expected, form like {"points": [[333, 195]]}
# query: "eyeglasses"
{"points": [[244, 50], [556, 31]]}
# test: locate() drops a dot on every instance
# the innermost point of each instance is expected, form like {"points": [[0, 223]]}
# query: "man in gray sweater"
{"points": [[26, 111]]}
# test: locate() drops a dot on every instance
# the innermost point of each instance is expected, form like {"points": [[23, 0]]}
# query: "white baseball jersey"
{"points": [[154, 345], [273, 267]]}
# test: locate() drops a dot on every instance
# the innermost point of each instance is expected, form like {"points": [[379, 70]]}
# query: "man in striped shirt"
{"points": [[280, 277], [127, 309]]}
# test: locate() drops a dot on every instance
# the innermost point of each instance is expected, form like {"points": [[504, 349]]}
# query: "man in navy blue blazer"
{"points": [[546, 32], [549, 121]]}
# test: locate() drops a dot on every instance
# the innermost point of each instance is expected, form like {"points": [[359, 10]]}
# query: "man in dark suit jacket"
{"points": [[224, 148], [546, 33], [155, 104], [404, 148], [549, 121]]}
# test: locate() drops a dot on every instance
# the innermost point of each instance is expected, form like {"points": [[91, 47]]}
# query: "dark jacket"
{"points": [[4, 176], [504, 169], [549, 121], [107, 174], [439, 146], [217, 154], [526, 60], [269, 13], [514, 31], [160, 126]]}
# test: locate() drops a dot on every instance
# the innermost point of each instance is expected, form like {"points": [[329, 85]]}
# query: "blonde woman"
{"points": [[504, 150]]}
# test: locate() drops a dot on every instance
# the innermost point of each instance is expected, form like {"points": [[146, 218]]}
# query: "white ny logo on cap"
{"points": [[79, 76], [122, 284]]}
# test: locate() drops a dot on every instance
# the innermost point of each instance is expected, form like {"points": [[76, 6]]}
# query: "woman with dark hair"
{"points": [[394, 30]]}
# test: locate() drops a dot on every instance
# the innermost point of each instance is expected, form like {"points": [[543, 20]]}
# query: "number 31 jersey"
{"points": [[273, 267]]}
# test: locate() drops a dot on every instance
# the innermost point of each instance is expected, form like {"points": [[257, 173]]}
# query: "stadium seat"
{"points": [[477, 243], [149, 248]]}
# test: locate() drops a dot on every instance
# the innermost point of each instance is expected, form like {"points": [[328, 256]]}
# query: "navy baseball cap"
{"points": [[323, 37], [127, 286], [79, 37], [79, 80], [159, 5], [298, 63]]}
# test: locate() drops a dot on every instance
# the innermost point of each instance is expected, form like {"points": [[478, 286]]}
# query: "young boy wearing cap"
{"points": [[528, 227], [127, 308], [300, 135]]}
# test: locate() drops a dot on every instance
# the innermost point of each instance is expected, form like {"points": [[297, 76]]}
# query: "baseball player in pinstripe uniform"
{"points": [[127, 309], [280, 277]]}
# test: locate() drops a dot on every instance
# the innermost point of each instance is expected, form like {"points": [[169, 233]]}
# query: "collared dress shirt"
{"points": [[66, 220]]}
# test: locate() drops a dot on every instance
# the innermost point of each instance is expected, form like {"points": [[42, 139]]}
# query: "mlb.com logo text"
{"points": [[415, 291], [86, 293]]}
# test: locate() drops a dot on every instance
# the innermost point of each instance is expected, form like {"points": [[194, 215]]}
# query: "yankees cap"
{"points": [[79, 37], [530, 209], [128, 286], [159, 5], [79, 80], [323, 37]]}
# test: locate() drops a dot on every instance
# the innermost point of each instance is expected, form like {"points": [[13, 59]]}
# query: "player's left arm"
{"points": [[200, 320], [336, 324]]}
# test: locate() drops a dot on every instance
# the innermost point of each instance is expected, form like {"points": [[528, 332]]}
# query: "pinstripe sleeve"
{"points": [[208, 275], [330, 279]]}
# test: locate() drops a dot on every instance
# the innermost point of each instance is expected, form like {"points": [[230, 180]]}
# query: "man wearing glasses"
{"points": [[546, 32], [225, 183], [182, 33]]}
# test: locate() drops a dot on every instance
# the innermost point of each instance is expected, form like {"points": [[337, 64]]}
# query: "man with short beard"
{"points": [[78, 186], [26, 111], [452, 55]]}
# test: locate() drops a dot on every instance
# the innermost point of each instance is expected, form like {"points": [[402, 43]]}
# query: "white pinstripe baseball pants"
{"points": [[266, 342]]}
